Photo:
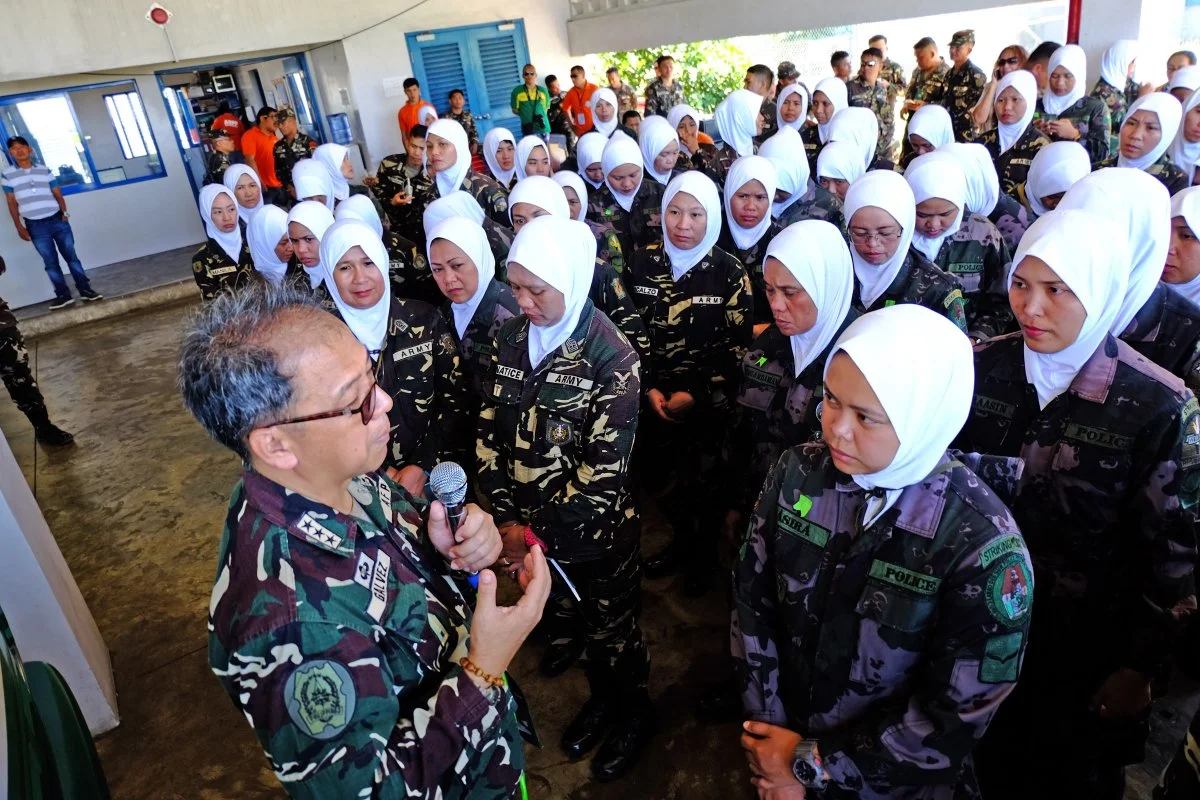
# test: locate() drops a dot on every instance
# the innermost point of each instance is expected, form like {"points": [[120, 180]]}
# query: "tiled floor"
{"points": [[137, 508]]}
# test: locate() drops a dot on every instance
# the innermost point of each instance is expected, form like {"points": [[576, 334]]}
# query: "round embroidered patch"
{"points": [[1008, 594], [320, 698]]}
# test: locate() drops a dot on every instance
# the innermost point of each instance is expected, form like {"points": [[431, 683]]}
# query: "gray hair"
{"points": [[229, 378]]}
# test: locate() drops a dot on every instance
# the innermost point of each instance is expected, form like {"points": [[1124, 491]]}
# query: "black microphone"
{"points": [[448, 481]]}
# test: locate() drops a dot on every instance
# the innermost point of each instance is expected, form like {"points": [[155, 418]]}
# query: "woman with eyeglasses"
{"points": [[1146, 137], [983, 115], [416, 361], [881, 215], [1066, 112]]}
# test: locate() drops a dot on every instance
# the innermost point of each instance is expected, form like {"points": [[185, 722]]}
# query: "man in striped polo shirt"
{"points": [[40, 214]]}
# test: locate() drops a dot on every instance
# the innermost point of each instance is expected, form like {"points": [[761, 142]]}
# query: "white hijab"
{"points": [[311, 179], [331, 157], [450, 180], [785, 150], [230, 242], [816, 255], [1114, 64], [469, 238], [491, 143], [1024, 84], [455, 204], [426, 115], [1186, 204], [232, 176], [935, 175], [840, 160], [858, 127], [676, 115], [983, 184], [540, 191], [359, 207], [1185, 78], [561, 252], [923, 372], [836, 92], [1169, 113], [701, 187], [737, 120], [932, 123], [1086, 257], [606, 94], [369, 325], [1186, 154], [655, 135], [263, 232], [317, 218], [789, 90], [744, 170], [888, 191], [1073, 59], [1055, 168], [588, 151], [1137, 209], [622, 150], [525, 148], [572, 180]]}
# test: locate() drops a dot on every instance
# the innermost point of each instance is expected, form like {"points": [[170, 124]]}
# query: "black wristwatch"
{"points": [[806, 765]]}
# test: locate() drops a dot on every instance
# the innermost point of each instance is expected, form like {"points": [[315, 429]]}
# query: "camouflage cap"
{"points": [[218, 133], [962, 37], [283, 115], [787, 70]]}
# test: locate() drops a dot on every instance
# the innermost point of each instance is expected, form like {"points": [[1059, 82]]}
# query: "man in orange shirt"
{"points": [[227, 121], [578, 102], [258, 146], [408, 115]]}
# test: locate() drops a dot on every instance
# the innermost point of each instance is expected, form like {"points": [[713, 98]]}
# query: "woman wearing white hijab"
{"points": [[460, 204], [1182, 270], [312, 182], [271, 248], [747, 228], [1185, 149], [739, 120], [246, 188], [465, 271], [660, 149], [588, 153], [404, 339], [984, 197], [836, 526], [1056, 168], [307, 222], [838, 166], [1185, 81], [1068, 114], [929, 128], [626, 200], [223, 262], [1146, 136], [828, 98], [407, 270], [791, 107], [696, 301], [604, 111], [555, 439], [858, 127], [785, 151], [1110, 449], [448, 154], [336, 160], [1116, 85], [881, 218], [532, 158], [500, 153], [1015, 140], [686, 122], [575, 189]]}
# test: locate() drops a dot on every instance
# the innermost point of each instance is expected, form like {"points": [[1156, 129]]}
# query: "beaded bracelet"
{"points": [[466, 664]]}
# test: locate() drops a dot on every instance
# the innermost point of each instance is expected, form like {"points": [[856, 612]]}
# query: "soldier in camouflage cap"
{"points": [[337, 626], [786, 74], [883, 592], [664, 92], [222, 157], [293, 145], [964, 84]]}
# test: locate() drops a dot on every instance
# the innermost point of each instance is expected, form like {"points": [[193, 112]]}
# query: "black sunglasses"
{"points": [[1012, 62]]}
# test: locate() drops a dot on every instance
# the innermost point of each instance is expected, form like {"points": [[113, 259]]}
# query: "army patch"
{"points": [[1001, 658], [447, 343], [398, 326], [761, 376], [379, 586], [620, 386], [320, 698], [362, 571], [1008, 593], [558, 432], [708, 300], [318, 533], [1000, 548], [574, 381], [572, 347], [415, 350], [801, 528], [904, 578]]}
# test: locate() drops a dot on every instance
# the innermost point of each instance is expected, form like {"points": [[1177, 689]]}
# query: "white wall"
{"points": [[97, 127], [1156, 24], [330, 72]]}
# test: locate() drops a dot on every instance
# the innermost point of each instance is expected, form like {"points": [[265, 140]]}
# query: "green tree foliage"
{"points": [[708, 70]]}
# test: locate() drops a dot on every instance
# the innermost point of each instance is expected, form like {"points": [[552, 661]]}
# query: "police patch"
{"points": [[1008, 591], [447, 343], [1190, 451], [320, 698], [558, 432]]}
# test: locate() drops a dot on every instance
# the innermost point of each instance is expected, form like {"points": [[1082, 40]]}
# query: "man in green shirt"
{"points": [[531, 103]]}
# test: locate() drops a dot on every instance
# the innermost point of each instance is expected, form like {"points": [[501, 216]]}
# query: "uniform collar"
{"points": [[1145, 323], [1093, 381], [920, 506], [571, 348], [309, 520]]}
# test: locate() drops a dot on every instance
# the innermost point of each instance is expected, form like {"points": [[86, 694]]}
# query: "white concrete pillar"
{"points": [[45, 609], [1155, 24]]}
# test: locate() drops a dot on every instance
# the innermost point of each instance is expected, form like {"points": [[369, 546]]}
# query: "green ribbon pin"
{"points": [[803, 505]]}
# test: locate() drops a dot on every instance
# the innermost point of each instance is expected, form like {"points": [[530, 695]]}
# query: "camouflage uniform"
{"points": [[1012, 166], [877, 100], [716, 162], [215, 272], [1168, 173], [15, 372], [1114, 99], [409, 272], [218, 163], [626, 99], [977, 255], [393, 177], [640, 225], [554, 446], [817, 203], [927, 85], [1106, 503], [1181, 781], [770, 122], [811, 136], [338, 638], [560, 122], [467, 120], [892, 647], [923, 284], [288, 152], [491, 196], [608, 246], [1091, 117], [893, 73], [963, 89], [1166, 330], [500, 239], [660, 99], [1012, 217], [476, 345], [752, 261], [609, 295]]}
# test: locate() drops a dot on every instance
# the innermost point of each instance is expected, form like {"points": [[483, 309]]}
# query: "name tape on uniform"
{"points": [[510, 372], [708, 300], [569, 380], [415, 350], [649, 291], [379, 584]]}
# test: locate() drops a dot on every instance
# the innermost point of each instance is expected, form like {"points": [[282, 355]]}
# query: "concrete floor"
{"points": [[137, 509]]}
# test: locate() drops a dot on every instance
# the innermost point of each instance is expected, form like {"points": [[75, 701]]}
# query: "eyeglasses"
{"points": [[528, 74], [1011, 62], [860, 236], [869, 63], [366, 409]]}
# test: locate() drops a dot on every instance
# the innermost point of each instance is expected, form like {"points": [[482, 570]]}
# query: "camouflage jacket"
{"points": [[338, 639], [408, 270], [877, 99], [626, 99], [218, 163], [7, 318], [716, 162], [1012, 166], [777, 408], [817, 203], [660, 99], [609, 295], [467, 120], [811, 136], [1090, 116], [891, 647], [216, 272], [893, 73], [490, 195], [1012, 217], [608, 245], [1114, 99], [963, 89], [640, 225], [923, 284], [560, 122], [752, 261], [699, 326], [928, 85], [419, 369], [1108, 498], [1167, 331], [977, 255], [476, 345], [392, 177], [1169, 174], [500, 239], [554, 442], [770, 123], [287, 153]]}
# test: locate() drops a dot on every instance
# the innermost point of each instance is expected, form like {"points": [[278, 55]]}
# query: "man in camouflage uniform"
{"points": [[892, 73], [761, 80], [560, 120], [928, 84], [964, 84], [222, 157], [866, 90], [786, 74], [460, 113], [664, 92], [626, 99], [294, 146], [336, 625], [877, 657], [399, 181]]}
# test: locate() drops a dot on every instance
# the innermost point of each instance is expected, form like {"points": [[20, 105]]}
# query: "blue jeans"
{"points": [[47, 234]]}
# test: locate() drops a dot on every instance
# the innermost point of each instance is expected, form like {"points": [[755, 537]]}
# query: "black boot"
{"points": [[46, 431], [559, 658], [631, 732], [585, 731]]}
